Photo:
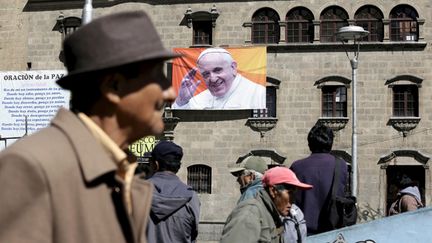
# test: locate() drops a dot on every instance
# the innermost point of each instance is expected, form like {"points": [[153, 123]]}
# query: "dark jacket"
{"points": [[317, 170], [254, 220], [174, 215], [58, 186]]}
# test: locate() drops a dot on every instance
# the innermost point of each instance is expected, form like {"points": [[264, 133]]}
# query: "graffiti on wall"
{"points": [[367, 213]]}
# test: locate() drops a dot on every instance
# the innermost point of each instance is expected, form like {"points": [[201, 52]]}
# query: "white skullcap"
{"points": [[212, 50]]}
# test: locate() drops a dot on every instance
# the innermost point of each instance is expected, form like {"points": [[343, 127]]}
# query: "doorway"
{"points": [[395, 172]]}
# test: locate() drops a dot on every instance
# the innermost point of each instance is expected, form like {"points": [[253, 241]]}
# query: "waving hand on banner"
{"points": [[188, 87]]}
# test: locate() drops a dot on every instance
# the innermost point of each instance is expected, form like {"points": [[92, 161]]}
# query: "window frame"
{"points": [[269, 18], [332, 19], [403, 24], [407, 98], [338, 108], [203, 182], [299, 21], [202, 29], [371, 19]]}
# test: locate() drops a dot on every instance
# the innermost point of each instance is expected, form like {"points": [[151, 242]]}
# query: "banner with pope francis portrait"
{"points": [[220, 78]]}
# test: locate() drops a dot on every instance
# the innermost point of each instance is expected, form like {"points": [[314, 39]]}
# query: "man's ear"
{"points": [[110, 87], [272, 191], [234, 67], [155, 165]]}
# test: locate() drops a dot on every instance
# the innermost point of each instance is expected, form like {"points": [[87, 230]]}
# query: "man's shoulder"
{"points": [[322, 158], [201, 100], [45, 138], [247, 83], [301, 162], [251, 205]]}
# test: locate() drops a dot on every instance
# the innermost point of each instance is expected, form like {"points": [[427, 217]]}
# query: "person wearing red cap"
{"points": [[259, 219]]}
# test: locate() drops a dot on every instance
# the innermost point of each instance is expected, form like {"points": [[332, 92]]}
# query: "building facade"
{"points": [[309, 80]]}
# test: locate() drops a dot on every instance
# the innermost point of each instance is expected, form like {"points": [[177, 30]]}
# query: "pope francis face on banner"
{"points": [[226, 88]]}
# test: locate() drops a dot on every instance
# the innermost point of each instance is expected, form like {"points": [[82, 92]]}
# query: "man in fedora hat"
{"points": [[72, 182]]}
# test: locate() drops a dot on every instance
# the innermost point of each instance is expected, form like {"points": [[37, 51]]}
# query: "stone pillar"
{"points": [[386, 23], [282, 29], [316, 37]]}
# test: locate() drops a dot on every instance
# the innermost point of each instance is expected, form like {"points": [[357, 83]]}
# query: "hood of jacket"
{"points": [[254, 184], [170, 194], [412, 190]]}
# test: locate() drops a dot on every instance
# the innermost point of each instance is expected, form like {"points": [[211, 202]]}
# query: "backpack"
{"points": [[338, 211]]}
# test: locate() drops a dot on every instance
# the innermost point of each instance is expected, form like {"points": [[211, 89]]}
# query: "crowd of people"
{"points": [[74, 181]]}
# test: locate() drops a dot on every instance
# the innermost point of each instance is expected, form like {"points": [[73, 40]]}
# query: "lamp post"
{"points": [[87, 12], [353, 33]]}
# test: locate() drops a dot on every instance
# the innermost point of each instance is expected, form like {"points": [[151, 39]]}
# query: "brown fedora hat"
{"points": [[111, 41]]}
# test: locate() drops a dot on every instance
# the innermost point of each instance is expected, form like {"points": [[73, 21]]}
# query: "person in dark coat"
{"points": [[174, 215], [317, 170], [72, 181]]}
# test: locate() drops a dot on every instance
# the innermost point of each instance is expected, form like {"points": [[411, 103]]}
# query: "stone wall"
{"points": [[28, 36]]}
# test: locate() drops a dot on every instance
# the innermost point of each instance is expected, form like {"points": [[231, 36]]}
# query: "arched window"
{"points": [[371, 19], [403, 23], [199, 178], [68, 25], [265, 26], [332, 19], [299, 25]]}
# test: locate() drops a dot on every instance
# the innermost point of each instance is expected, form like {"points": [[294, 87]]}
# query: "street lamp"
{"points": [[353, 33], [87, 12]]}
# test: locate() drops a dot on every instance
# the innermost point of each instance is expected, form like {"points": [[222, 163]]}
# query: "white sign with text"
{"points": [[28, 101]]}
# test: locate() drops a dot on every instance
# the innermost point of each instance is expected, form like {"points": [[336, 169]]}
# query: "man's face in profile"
{"points": [[218, 72]]}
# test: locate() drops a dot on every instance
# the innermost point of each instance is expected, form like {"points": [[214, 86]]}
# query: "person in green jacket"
{"points": [[259, 219]]}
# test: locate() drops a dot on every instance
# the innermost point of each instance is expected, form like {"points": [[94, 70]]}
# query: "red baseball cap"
{"points": [[283, 175]]}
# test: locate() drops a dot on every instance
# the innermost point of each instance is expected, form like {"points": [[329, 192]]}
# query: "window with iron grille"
{"points": [[199, 178], [202, 31], [265, 27], [299, 25], [332, 19], [405, 101], [403, 24], [371, 19], [334, 101]]}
